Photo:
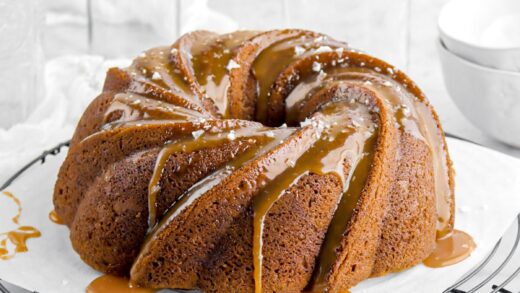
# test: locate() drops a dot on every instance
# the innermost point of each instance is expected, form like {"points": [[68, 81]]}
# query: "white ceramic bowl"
{"points": [[486, 32], [489, 98]]}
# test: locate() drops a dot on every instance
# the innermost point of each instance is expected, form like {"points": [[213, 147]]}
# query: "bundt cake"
{"points": [[278, 161]]}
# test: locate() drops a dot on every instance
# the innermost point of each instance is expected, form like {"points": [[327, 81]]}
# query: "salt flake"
{"points": [[232, 65], [316, 66], [156, 75], [197, 134], [231, 135]]}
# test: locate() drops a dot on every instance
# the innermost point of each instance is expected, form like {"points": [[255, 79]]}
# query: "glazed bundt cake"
{"points": [[279, 161]]}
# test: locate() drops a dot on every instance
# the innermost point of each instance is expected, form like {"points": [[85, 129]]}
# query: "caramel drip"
{"points": [[258, 136], [55, 218], [341, 139], [263, 144], [156, 66], [17, 237], [153, 91], [212, 63], [411, 114], [271, 61], [16, 218], [416, 118], [450, 249], [342, 216], [113, 284], [134, 107]]}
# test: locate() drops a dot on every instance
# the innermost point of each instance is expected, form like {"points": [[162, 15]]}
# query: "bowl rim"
{"points": [[479, 67], [444, 34]]}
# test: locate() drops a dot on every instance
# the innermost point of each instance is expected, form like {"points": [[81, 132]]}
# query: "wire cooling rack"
{"points": [[499, 272]]}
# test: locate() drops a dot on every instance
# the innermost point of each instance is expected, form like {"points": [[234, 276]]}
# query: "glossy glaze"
{"points": [[113, 284], [15, 241], [55, 218], [450, 249]]}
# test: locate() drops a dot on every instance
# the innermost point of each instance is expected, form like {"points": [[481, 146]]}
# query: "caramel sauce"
{"points": [[113, 284], [155, 66], [271, 61], [135, 107], [152, 91], [18, 237], [339, 141], [342, 216], [256, 136], [450, 249], [411, 114], [263, 144], [211, 63], [16, 218], [55, 218]]}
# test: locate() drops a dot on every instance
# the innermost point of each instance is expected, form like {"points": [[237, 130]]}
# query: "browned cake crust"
{"points": [[169, 181]]}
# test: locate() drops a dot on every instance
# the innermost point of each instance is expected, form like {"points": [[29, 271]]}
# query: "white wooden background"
{"points": [[403, 32]]}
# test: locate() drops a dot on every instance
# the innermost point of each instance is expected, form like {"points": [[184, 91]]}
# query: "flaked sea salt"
{"points": [[323, 49], [298, 50], [316, 67], [319, 39], [306, 122], [232, 65], [156, 75], [197, 134], [231, 135]]}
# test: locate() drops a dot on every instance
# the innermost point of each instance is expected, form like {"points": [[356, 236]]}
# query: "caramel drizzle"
{"points": [[415, 118], [263, 143], [17, 237], [271, 61], [55, 218], [113, 284], [134, 107], [340, 140], [16, 218], [212, 63], [189, 145], [342, 216], [411, 114], [153, 91], [156, 66]]}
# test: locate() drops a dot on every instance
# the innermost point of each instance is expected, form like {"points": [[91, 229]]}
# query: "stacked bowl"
{"points": [[480, 55]]}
